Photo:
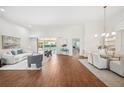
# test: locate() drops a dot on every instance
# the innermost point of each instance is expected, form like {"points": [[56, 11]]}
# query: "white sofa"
{"points": [[12, 59], [117, 66], [98, 58]]}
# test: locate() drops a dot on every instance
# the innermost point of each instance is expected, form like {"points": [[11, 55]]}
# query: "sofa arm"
{"points": [[114, 59], [9, 58]]}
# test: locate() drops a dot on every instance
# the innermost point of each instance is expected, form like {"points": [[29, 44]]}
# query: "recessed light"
{"points": [[1, 9], [29, 25]]}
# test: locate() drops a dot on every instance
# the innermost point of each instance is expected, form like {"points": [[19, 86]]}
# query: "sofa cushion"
{"points": [[103, 56], [110, 53], [21, 57], [20, 51], [8, 53], [114, 59], [13, 52]]}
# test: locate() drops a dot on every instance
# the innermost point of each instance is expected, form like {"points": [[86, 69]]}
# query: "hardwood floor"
{"points": [[60, 71]]}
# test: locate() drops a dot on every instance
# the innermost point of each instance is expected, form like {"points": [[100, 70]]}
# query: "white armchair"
{"points": [[117, 66], [99, 62]]}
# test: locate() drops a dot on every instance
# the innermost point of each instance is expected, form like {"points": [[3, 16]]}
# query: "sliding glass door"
{"points": [[47, 44]]}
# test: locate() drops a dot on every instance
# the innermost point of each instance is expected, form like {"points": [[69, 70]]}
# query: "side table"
{"points": [[0, 63], [2, 60]]}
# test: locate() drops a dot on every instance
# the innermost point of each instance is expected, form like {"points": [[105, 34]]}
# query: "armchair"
{"points": [[117, 66], [90, 58], [35, 59], [99, 61]]}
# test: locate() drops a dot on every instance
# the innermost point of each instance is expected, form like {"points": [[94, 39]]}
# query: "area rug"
{"points": [[108, 77], [23, 65]]}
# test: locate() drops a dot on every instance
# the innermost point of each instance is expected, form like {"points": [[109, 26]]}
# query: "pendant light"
{"points": [[104, 33], [104, 27], [105, 18]]}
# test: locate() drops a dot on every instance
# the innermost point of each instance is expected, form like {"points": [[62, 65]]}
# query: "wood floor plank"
{"points": [[60, 71]]}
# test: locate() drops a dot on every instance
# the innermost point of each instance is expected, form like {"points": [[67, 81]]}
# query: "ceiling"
{"points": [[56, 15]]}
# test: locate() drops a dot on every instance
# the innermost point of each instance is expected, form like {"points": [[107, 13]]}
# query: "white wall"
{"points": [[7, 28], [68, 32], [92, 28], [33, 45]]}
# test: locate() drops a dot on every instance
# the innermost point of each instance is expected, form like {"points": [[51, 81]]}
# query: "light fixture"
{"points": [[95, 35], [113, 33], [2, 10], [103, 34], [107, 35], [104, 18]]}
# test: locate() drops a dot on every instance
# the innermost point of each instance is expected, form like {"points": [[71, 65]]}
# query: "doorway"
{"points": [[76, 47], [47, 44]]}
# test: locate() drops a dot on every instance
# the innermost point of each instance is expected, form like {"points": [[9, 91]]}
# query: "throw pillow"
{"points": [[13, 52], [20, 51]]}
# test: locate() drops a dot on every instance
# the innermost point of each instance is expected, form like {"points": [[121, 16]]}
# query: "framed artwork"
{"points": [[9, 42]]}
